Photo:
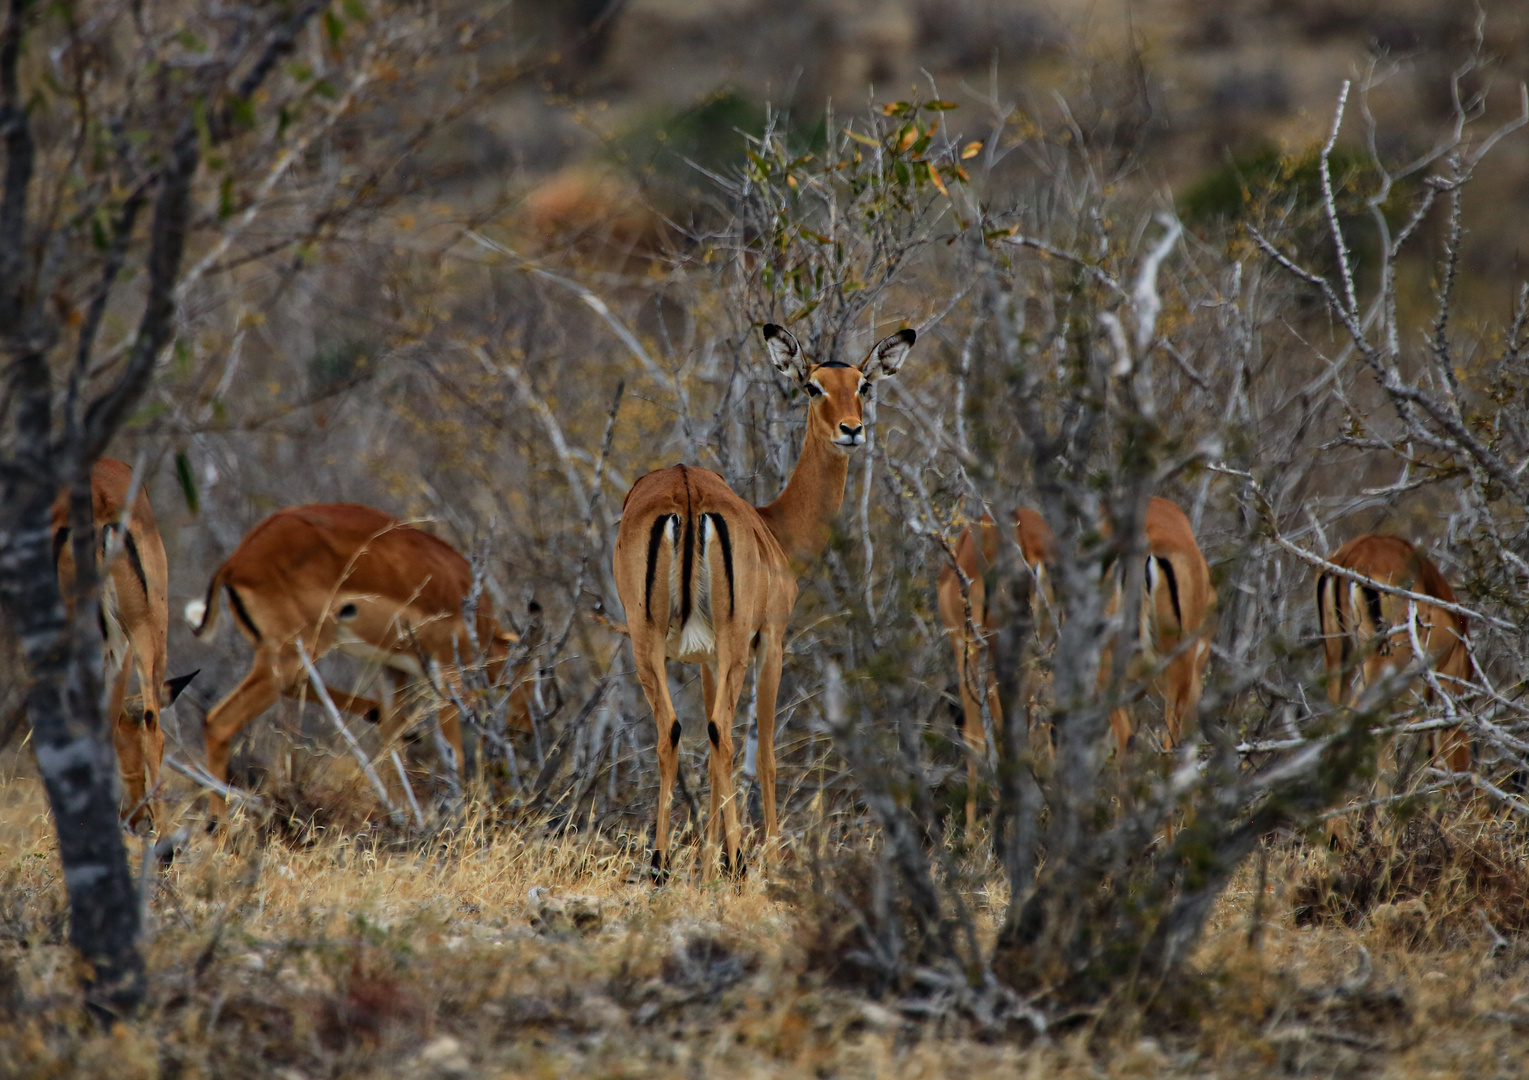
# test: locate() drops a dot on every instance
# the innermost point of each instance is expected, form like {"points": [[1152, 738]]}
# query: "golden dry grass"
{"points": [[347, 958]]}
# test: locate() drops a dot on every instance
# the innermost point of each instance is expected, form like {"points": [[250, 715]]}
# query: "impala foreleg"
{"points": [[269, 675], [133, 748], [148, 653]]}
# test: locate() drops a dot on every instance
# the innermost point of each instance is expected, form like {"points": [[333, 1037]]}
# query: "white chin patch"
{"points": [[850, 444]]}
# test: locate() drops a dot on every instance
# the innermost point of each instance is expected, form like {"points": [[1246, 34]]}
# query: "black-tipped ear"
{"points": [[784, 352], [888, 355], [179, 683]]}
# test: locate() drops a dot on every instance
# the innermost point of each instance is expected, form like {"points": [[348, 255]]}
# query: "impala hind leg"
{"points": [[767, 687], [719, 731], [649, 658]]}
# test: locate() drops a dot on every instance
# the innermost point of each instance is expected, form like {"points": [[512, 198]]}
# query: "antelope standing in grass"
{"points": [[340, 576], [1178, 606], [135, 618], [1367, 635], [707, 579]]}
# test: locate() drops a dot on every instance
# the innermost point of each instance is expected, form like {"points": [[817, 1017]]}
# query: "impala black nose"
{"points": [[852, 430]]}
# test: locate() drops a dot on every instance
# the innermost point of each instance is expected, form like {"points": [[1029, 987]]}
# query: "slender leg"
{"points": [[714, 815], [649, 658], [127, 736], [257, 693], [719, 730], [151, 735], [767, 685]]}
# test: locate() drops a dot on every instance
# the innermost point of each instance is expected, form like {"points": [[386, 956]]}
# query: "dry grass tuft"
{"points": [[1430, 878], [504, 951]]}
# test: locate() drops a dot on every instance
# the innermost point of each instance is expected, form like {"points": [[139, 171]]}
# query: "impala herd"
{"points": [[705, 578]]}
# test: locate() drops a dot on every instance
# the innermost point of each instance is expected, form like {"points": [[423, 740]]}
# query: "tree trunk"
{"points": [[74, 751]]}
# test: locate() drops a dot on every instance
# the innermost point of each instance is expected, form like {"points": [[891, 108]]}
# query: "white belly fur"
{"points": [[351, 645], [117, 644]]}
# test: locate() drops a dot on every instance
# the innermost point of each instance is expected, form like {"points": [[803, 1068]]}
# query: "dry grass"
{"points": [[510, 954]]}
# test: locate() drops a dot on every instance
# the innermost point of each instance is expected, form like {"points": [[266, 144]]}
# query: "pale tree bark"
{"points": [[44, 449]]}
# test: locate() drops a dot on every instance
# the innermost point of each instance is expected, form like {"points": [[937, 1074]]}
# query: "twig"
{"points": [[322, 693]]}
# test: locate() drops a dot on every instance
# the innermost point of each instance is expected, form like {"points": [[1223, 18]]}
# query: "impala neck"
{"points": [[802, 515]]}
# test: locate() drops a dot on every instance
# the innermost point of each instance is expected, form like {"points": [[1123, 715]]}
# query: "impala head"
{"points": [[836, 391]]}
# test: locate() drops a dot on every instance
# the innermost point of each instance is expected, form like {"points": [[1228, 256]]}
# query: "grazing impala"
{"points": [[339, 576], [135, 617], [708, 579], [1178, 603], [1366, 635], [1036, 547]]}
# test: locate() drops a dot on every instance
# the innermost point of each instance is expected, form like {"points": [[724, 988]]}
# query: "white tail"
{"points": [[196, 611]]}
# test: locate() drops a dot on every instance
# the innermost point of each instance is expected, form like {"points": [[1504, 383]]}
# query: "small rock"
{"points": [[1145, 1059], [1404, 922], [879, 1017], [444, 1057], [565, 914]]}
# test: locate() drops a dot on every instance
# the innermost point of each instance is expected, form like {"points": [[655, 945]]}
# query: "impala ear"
{"points": [[888, 355], [784, 352], [180, 682]]}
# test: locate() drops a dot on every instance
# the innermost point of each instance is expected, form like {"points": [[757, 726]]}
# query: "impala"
{"points": [[1367, 635], [707, 579], [310, 579], [1178, 604], [135, 617]]}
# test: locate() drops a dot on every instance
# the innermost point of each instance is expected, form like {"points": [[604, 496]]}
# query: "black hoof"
{"points": [[737, 869], [659, 870]]}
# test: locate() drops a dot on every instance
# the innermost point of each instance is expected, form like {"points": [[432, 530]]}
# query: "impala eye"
{"points": [[865, 388], [814, 390]]}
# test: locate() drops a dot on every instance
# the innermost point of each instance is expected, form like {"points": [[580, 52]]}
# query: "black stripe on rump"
{"points": [[1327, 587], [241, 611], [136, 562], [60, 538], [1372, 601], [655, 538], [725, 540], [1173, 588]]}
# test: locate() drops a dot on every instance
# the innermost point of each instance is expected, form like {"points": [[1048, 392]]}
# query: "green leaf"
{"points": [[333, 28], [187, 481], [199, 118], [100, 231], [355, 9], [940, 106], [241, 111]]}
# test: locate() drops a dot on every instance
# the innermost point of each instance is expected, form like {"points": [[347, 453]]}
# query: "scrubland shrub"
{"points": [[1079, 353]]}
